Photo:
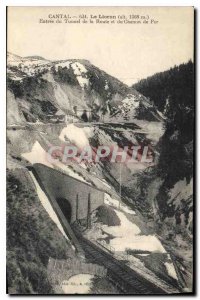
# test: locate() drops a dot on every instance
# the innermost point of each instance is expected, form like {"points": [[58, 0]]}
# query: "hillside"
{"points": [[155, 198], [27, 257], [173, 85], [171, 200], [43, 89], [173, 93]]}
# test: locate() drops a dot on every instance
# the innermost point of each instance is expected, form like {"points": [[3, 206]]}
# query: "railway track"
{"points": [[126, 279]]}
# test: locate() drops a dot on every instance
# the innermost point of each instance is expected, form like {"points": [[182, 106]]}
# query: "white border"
{"points": [[3, 4]]}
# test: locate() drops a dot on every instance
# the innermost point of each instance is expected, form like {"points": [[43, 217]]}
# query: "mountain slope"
{"points": [[42, 88], [177, 83], [160, 193], [32, 238], [172, 179]]}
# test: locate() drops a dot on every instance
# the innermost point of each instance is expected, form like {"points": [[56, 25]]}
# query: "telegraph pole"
{"points": [[77, 207], [120, 182], [88, 212]]}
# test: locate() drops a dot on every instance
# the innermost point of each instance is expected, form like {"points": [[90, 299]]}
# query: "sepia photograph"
{"points": [[99, 140]]}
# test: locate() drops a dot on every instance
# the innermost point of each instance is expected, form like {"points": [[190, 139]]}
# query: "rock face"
{"points": [[14, 114], [42, 88]]}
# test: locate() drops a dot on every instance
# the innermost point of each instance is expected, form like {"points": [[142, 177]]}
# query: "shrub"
{"points": [[108, 216]]}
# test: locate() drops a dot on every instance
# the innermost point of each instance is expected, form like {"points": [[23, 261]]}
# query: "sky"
{"points": [[129, 52]]}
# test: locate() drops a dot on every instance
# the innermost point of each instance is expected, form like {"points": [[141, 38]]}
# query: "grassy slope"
{"points": [[31, 238]]}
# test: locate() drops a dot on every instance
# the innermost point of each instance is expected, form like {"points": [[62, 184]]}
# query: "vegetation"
{"points": [[177, 84], [102, 285], [176, 146], [172, 92], [108, 216], [15, 86], [32, 238], [65, 75]]}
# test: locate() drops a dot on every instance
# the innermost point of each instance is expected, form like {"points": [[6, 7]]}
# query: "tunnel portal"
{"points": [[71, 195], [65, 206]]}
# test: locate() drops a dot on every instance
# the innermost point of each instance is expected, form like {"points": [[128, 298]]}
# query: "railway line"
{"points": [[125, 278]]}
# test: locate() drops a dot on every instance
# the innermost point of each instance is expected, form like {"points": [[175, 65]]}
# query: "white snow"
{"points": [[171, 270], [154, 130], [78, 284], [89, 131], [29, 66], [82, 81], [127, 109], [69, 171], [161, 114], [37, 155], [80, 72], [47, 205], [127, 236], [75, 134], [65, 64], [39, 122], [104, 182], [106, 85], [78, 68], [130, 102], [115, 203]]}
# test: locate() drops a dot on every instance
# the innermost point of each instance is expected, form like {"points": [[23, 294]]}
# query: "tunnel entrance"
{"points": [[65, 207]]}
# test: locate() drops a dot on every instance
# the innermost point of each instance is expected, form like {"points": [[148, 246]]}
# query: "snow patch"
{"points": [[103, 181], [115, 203], [75, 134], [106, 85], [80, 72], [47, 205], [153, 130], [89, 131], [127, 110], [69, 171], [37, 155], [78, 68], [126, 236], [82, 81], [161, 114], [171, 270], [65, 64]]}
